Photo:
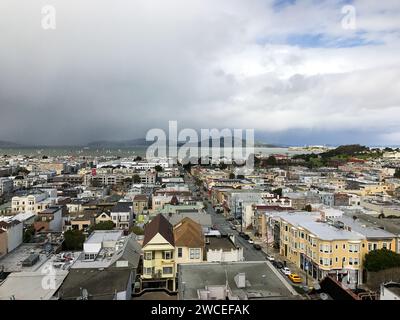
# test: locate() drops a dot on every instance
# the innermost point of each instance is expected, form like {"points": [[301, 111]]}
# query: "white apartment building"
{"points": [[122, 215], [29, 203]]}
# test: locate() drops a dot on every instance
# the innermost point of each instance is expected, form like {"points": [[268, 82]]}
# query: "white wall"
{"points": [[225, 256], [15, 234], [57, 223], [387, 294]]}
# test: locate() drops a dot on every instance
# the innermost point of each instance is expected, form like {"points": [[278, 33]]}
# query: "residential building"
{"points": [[223, 249], [12, 233], [335, 246], [103, 217], [140, 203], [189, 242], [233, 281], [6, 186], [158, 252], [49, 219], [122, 215]]}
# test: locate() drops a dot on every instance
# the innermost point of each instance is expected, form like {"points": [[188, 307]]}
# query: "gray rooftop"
{"points": [[105, 235], [261, 281], [321, 230], [367, 231], [204, 219]]}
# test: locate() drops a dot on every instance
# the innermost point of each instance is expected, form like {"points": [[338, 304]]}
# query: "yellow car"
{"points": [[295, 278]]}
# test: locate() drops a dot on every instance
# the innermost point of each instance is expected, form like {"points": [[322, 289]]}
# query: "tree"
{"points": [[271, 161], [104, 225], [29, 233], [278, 192], [73, 240], [137, 230], [187, 166], [397, 173], [308, 208], [381, 259], [222, 166], [136, 178], [231, 175], [138, 158], [158, 168]]}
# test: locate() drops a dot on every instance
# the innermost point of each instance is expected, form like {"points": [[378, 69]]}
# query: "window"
{"points": [[167, 270], [355, 261], [325, 248], [148, 255], [344, 246], [179, 252], [195, 253], [148, 270], [167, 255], [384, 245], [351, 261], [354, 247], [369, 246]]}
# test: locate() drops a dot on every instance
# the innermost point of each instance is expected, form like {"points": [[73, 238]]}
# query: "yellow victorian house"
{"points": [[158, 255]]}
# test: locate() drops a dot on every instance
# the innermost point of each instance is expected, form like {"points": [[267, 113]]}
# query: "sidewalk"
{"points": [[293, 268]]}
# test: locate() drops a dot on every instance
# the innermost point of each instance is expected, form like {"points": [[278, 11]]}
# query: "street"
{"points": [[224, 226], [218, 220]]}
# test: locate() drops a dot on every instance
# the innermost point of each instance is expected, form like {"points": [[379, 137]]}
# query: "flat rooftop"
{"points": [[28, 286], [105, 235], [12, 262], [218, 243], [321, 230], [261, 281]]}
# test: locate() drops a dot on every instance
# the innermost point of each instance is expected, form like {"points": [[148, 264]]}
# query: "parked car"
{"points": [[269, 257], [244, 236], [251, 241], [230, 219], [286, 271], [278, 264], [233, 227], [295, 278], [256, 246]]}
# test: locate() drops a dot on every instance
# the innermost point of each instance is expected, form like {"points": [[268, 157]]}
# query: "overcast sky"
{"points": [[115, 69]]}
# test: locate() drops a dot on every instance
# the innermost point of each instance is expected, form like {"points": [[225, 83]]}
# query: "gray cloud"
{"points": [[113, 70]]}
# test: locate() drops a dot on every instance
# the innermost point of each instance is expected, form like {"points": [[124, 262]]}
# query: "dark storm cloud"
{"points": [[114, 69]]}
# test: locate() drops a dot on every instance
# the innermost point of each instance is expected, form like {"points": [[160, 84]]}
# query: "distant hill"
{"points": [[143, 143], [7, 144], [120, 144]]}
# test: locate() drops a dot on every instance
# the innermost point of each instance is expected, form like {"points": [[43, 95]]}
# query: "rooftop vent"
{"points": [[240, 280]]}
